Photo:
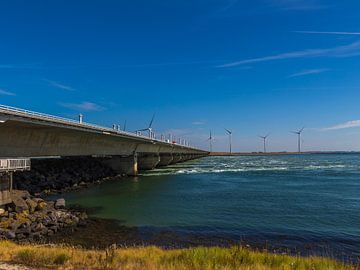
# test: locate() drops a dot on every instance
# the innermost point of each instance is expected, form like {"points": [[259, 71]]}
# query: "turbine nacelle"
{"points": [[229, 132], [299, 131], [264, 137]]}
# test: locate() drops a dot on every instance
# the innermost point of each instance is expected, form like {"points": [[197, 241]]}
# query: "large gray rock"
{"points": [[39, 227], [19, 203], [32, 205], [60, 203], [10, 235], [37, 200], [20, 194]]}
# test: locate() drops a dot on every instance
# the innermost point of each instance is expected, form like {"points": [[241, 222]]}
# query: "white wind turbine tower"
{"points": [[229, 132], [299, 138], [210, 139], [264, 140]]}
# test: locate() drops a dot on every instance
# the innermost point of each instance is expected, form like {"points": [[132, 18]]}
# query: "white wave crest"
{"points": [[212, 170]]}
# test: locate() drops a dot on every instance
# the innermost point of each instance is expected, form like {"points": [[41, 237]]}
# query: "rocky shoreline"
{"points": [[58, 175], [30, 218]]}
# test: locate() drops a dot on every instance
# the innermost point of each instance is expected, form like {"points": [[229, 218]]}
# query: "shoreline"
{"points": [[112, 232]]}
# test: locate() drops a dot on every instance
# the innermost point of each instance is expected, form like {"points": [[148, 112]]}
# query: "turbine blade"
{"points": [[228, 131], [152, 120], [124, 126]]}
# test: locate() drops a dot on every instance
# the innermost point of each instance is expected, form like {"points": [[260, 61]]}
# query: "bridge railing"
{"points": [[64, 120], [52, 117], [18, 164], [44, 116]]}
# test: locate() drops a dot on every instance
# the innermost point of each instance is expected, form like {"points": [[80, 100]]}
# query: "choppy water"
{"points": [[309, 202]]}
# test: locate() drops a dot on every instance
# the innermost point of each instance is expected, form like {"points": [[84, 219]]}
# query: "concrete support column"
{"points": [[188, 157], [165, 159], [123, 164], [183, 158], [148, 161], [176, 158], [5, 188]]}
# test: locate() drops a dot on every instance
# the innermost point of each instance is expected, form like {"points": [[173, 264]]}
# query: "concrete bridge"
{"points": [[27, 134]]}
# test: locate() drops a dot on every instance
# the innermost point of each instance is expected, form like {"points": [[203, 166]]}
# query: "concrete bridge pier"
{"points": [[183, 158], [123, 164], [148, 161], [5, 187], [176, 158], [165, 159]]}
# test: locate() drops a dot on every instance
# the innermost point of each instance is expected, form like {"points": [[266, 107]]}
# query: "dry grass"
{"points": [[152, 258]]}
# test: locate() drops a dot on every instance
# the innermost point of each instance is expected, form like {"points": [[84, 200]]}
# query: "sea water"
{"points": [[292, 201]]}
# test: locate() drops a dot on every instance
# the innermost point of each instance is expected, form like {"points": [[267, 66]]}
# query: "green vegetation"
{"points": [[153, 258]]}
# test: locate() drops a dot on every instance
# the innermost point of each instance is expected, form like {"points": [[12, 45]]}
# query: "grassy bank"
{"points": [[157, 259]]}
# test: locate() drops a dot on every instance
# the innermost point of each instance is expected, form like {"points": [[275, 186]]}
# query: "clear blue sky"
{"points": [[256, 67]]}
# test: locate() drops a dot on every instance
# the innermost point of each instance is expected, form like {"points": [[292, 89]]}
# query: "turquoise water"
{"points": [[286, 201]]}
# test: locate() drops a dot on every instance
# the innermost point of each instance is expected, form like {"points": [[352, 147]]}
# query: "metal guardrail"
{"points": [[58, 119], [45, 116], [18, 164]]}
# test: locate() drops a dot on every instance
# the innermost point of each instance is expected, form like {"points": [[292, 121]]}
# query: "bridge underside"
{"points": [[125, 154]]}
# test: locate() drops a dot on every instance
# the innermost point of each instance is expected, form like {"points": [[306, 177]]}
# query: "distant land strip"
{"points": [[280, 153]]}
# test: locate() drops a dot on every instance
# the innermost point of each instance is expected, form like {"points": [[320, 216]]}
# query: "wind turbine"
{"points": [[149, 128], [210, 139], [230, 138], [299, 138], [264, 138]]}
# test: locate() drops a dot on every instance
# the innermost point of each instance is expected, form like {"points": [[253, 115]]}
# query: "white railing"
{"points": [[54, 118], [58, 119], [45, 116], [17, 164]]}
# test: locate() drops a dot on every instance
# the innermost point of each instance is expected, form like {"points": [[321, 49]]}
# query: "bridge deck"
{"points": [[31, 115]]}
